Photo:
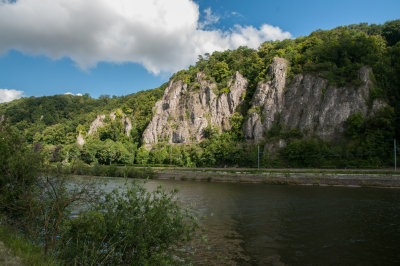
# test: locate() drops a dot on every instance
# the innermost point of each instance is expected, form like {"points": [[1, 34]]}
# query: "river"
{"points": [[256, 224]]}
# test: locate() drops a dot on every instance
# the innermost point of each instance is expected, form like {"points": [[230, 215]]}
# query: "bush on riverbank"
{"points": [[134, 227], [81, 168]]}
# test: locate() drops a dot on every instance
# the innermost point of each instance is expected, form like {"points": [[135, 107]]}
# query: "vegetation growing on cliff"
{"points": [[335, 55]]}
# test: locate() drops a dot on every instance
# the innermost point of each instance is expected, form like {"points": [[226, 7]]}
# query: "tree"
{"points": [[220, 72], [20, 167], [391, 32], [142, 156]]}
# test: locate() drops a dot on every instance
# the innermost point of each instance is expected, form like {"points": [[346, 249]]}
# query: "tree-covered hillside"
{"points": [[335, 55]]}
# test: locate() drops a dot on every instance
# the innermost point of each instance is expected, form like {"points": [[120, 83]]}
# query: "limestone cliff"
{"points": [[309, 103], [183, 112]]}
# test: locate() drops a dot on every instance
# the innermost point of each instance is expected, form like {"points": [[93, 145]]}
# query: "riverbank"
{"points": [[316, 177], [353, 178]]}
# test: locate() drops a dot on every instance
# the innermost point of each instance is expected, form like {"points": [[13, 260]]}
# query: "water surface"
{"points": [[256, 224]]}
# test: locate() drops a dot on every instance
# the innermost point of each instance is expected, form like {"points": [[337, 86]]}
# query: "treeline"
{"points": [[335, 55]]}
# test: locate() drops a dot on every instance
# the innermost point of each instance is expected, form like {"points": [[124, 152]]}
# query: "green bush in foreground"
{"points": [[134, 227]]}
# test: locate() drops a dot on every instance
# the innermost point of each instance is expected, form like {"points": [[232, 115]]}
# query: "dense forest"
{"points": [[52, 123]]}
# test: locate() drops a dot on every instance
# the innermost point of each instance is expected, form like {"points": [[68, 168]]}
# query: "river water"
{"points": [[256, 224]]}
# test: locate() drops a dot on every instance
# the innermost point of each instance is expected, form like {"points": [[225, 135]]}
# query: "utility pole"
{"points": [[110, 157], [170, 156], [394, 150]]}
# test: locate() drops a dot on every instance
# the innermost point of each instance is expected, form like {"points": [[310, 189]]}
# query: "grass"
{"points": [[20, 247]]}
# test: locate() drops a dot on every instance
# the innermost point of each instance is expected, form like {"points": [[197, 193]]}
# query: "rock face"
{"points": [[125, 120], [80, 140], [308, 104], [99, 122], [183, 113], [128, 125]]}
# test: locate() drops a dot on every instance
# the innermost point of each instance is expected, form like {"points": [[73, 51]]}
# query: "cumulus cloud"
{"points": [[9, 95], [163, 36]]}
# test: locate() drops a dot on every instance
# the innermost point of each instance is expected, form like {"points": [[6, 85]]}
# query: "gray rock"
{"points": [[80, 140], [308, 104], [182, 114], [97, 123], [128, 125]]}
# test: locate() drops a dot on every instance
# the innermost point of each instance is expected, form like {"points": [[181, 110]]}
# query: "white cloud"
{"points": [[161, 35], [9, 95], [209, 19], [70, 93]]}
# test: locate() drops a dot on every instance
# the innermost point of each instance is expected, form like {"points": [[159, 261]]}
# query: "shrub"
{"points": [[133, 227]]}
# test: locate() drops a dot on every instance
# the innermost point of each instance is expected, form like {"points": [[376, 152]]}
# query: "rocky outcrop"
{"points": [[125, 120], [127, 125], [97, 123], [183, 112], [309, 104], [100, 122], [80, 140]]}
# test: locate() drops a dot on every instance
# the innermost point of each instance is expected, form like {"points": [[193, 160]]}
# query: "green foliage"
{"points": [[118, 113], [187, 76], [391, 32], [114, 131], [256, 109], [220, 72], [133, 227], [307, 153], [370, 145], [19, 170], [142, 156], [210, 131], [220, 150], [22, 247], [354, 125], [237, 125], [293, 133], [225, 91]]}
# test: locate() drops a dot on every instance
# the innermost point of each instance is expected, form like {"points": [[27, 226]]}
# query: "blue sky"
{"points": [[120, 47]]}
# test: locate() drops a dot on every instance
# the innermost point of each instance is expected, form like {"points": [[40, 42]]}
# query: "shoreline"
{"points": [[282, 178]]}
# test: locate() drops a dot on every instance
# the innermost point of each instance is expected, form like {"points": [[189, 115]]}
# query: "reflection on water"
{"points": [[254, 224]]}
